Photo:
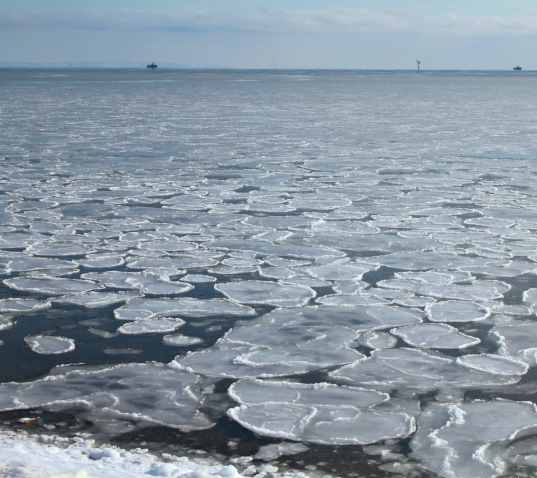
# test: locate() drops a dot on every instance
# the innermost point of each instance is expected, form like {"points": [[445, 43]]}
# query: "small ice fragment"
{"points": [[274, 451], [22, 305], [198, 278], [377, 340], [455, 311], [5, 323], [435, 336], [494, 364], [151, 326], [265, 292], [121, 351], [105, 334], [49, 345], [179, 340]]}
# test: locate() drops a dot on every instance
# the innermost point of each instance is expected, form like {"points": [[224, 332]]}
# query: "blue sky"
{"points": [[449, 34]]}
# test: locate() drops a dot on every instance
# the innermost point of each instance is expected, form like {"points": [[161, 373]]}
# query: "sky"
{"points": [[361, 34]]}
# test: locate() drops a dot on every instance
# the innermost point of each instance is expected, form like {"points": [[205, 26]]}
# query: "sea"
{"points": [[331, 273]]}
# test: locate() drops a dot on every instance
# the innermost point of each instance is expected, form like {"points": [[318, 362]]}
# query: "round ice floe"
{"points": [[149, 392], [151, 326], [377, 340], [168, 246], [413, 369], [179, 340], [317, 413], [454, 311], [316, 203], [275, 450], [52, 286], [49, 345], [494, 364], [435, 336], [138, 309], [58, 249], [101, 261], [459, 440], [198, 278], [344, 272], [351, 300], [265, 292], [105, 334], [13, 306], [92, 300], [415, 301]]}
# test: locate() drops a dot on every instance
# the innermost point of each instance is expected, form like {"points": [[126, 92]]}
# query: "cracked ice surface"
{"points": [[148, 392], [320, 413]]}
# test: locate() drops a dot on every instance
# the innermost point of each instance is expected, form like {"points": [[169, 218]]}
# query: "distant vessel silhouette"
{"points": [[152, 66], [517, 68]]}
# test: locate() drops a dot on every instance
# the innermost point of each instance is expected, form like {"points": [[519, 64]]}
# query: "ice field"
{"points": [[306, 273]]}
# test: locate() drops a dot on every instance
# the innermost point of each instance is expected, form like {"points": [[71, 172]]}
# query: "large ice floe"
{"points": [[319, 413], [360, 275]]}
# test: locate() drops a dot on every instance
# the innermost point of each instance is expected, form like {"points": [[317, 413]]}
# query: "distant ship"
{"points": [[517, 68], [152, 66]]}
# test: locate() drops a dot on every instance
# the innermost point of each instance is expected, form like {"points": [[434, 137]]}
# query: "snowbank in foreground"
{"points": [[33, 456]]}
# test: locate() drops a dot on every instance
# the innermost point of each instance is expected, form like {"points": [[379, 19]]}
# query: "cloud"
{"points": [[316, 21]]}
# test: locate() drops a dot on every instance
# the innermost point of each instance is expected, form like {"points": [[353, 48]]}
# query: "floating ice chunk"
{"points": [[273, 236], [138, 309], [105, 334], [49, 345], [13, 306], [38, 264], [306, 282], [286, 263], [494, 364], [5, 323], [179, 340], [293, 341], [530, 297], [315, 203], [168, 246], [151, 326], [233, 270], [317, 413], [150, 392], [122, 351], [454, 311], [459, 440], [415, 301], [277, 273], [517, 339], [377, 340], [274, 451], [52, 286], [92, 300], [421, 261], [480, 290], [198, 278], [58, 249], [489, 222], [388, 293], [340, 272], [265, 292], [184, 262], [351, 300], [348, 287], [435, 336], [256, 392], [416, 370], [146, 284], [511, 309], [344, 227], [101, 261], [435, 277]]}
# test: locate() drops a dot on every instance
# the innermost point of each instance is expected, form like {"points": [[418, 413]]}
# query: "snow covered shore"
{"points": [[43, 456]]}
